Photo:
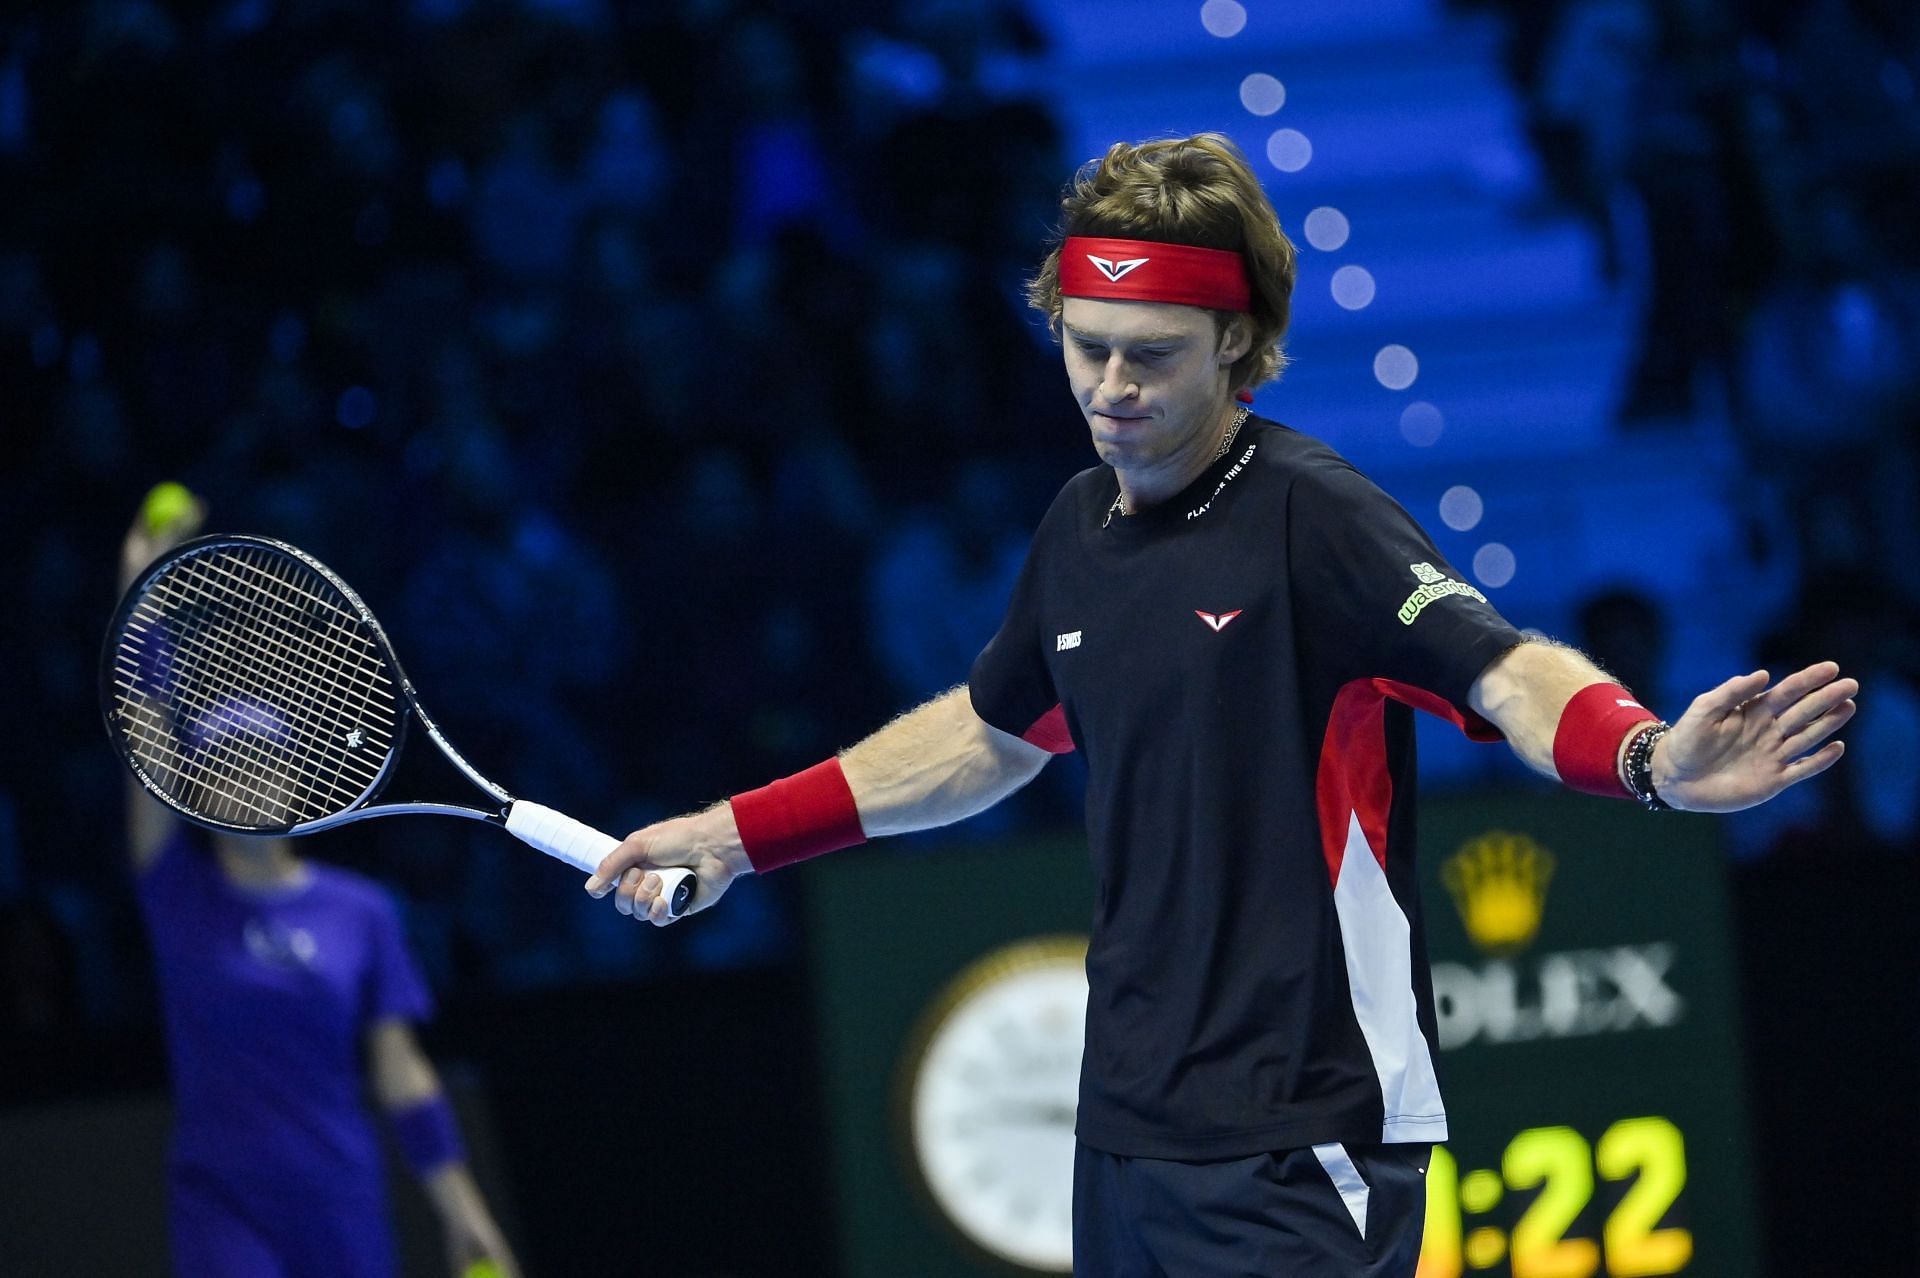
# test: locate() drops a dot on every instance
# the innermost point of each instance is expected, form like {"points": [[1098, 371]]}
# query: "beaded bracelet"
{"points": [[1639, 767]]}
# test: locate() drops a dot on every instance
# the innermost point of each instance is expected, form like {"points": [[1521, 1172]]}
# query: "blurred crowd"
{"points": [[1756, 165], [1752, 168], [660, 375]]}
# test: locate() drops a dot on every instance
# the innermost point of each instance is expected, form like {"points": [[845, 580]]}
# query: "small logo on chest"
{"points": [[277, 945], [1217, 621], [1071, 639]]}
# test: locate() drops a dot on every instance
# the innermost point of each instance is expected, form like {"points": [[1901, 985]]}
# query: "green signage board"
{"points": [[1589, 1033], [1587, 1015]]}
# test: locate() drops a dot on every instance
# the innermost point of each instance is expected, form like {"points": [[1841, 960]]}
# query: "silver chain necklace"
{"points": [[1119, 506]]}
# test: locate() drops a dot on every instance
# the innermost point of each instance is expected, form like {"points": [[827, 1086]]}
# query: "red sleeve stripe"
{"points": [[1476, 728], [1353, 781], [1049, 732]]}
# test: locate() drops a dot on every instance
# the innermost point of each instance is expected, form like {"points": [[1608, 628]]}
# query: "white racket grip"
{"points": [[583, 847]]}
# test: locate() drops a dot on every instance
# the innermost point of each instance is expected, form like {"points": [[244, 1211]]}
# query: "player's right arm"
{"points": [[932, 766], [935, 765], [148, 823]]}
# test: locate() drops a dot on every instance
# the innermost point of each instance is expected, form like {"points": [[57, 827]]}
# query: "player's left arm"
{"points": [[408, 1088], [1736, 746]]}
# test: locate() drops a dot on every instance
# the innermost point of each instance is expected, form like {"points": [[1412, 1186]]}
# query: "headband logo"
{"points": [[1115, 270]]}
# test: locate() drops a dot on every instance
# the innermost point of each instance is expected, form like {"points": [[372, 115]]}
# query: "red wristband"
{"points": [[798, 817], [1586, 746]]}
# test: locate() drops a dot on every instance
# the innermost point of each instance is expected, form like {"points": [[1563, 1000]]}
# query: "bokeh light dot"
{"points": [[1493, 565], [1421, 424], [1327, 228], [1461, 508], [1223, 18], [1353, 287], [1288, 150], [1395, 367], [1261, 94]]}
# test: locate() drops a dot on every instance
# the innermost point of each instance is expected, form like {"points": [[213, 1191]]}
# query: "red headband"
{"points": [[1149, 271]]}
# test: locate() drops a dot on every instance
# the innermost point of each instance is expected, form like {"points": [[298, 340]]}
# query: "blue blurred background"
{"points": [[659, 374]]}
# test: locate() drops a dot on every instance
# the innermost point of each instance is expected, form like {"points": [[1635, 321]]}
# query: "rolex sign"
{"points": [[1589, 1033]]}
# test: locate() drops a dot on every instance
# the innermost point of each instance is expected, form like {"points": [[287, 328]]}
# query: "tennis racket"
{"points": [[250, 690]]}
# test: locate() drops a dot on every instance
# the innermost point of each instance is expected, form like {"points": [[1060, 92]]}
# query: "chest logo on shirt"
{"points": [[274, 944], [1217, 621], [1071, 639]]}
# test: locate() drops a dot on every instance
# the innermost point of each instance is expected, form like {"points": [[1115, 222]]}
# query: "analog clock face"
{"points": [[992, 1091]]}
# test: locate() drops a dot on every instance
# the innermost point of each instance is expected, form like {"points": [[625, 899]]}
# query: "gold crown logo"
{"points": [[1499, 884]]}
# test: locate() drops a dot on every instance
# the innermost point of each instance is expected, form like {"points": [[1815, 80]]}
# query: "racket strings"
{"points": [[327, 675], [195, 676], [261, 748], [237, 771], [248, 755], [251, 691], [265, 651], [234, 804], [315, 701]]}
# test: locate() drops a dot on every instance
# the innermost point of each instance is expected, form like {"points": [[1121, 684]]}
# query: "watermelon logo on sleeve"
{"points": [[1433, 585]]}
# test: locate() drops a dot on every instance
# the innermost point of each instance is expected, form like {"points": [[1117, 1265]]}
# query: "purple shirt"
{"points": [[268, 995]]}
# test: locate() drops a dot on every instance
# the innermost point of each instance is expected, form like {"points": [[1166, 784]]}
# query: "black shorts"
{"points": [[1329, 1211]]}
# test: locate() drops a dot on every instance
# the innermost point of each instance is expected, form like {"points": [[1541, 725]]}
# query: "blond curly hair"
{"points": [[1199, 191]]}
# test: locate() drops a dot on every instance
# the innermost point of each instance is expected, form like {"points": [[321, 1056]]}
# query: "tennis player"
{"points": [[288, 994], [1234, 626]]}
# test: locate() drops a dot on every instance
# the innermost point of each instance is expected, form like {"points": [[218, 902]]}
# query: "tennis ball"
{"points": [[167, 504], [482, 1269]]}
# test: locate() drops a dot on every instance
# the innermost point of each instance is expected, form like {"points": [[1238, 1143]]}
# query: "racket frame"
{"points": [[550, 831], [362, 806]]}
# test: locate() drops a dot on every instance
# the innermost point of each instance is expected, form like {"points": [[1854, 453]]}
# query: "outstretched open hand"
{"points": [[1744, 742]]}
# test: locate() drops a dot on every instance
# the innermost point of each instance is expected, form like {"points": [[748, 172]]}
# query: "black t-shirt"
{"points": [[1236, 665]]}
